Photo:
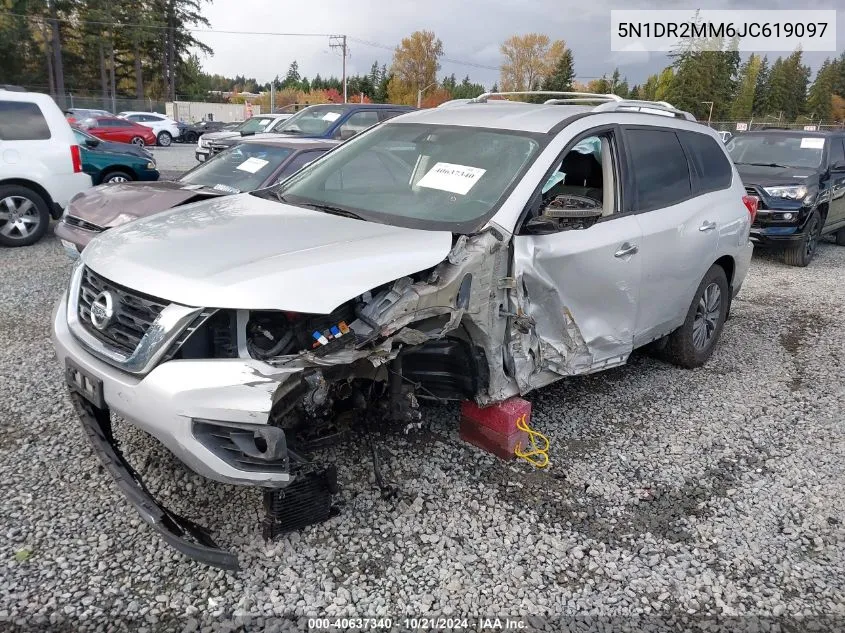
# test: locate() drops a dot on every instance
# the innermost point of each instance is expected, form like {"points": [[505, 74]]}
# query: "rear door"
{"points": [[680, 228]]}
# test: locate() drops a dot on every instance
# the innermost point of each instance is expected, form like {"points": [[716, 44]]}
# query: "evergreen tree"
{"points": [[820, 97], [562, 75], [743, 104], [761, 89]]}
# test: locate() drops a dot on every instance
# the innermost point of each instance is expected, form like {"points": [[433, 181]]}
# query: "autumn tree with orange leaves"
{"points": [[529, 59]]}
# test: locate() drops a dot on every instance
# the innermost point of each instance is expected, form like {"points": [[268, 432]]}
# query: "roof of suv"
{"points": [[788, 132], [287, 141], [526, 117]]}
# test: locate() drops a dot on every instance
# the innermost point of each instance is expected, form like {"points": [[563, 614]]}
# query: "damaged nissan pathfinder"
{"points": [[473, 252]]}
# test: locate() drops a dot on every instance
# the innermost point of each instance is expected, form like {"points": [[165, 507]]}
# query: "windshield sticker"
{"points": [[331, 116], [226, 188], [252, 165], [812, 143], [450, 177], [265, 122]]}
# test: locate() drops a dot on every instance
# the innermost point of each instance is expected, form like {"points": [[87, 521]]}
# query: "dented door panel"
{"points": [[580, 294]]}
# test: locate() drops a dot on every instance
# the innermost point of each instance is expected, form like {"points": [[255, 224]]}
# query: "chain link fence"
{"points": [[735, 127]]}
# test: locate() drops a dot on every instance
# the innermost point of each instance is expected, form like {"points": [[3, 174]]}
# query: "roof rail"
{"points": [[585, 96], [647, 107]]}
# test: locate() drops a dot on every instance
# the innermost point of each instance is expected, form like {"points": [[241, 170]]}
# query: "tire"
{"points": [[802, 253], [840, 237], [24, 216], [164, 139], [692, 344], [117, 176], [137, 140], [191, 137]]}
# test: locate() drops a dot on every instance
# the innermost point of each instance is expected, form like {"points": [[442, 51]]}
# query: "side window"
{"points": [[661, 171], [298, 162], [356, 123], [135, 117], [837, 153], [711, 165], [22, 121], [384, 115], [586, 171]]}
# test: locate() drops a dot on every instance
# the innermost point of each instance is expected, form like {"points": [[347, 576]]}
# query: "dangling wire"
{"points": [[535, 455]]}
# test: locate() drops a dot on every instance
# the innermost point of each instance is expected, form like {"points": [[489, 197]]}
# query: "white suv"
{"points": [[165, 128], [475, 252], [40, 165]]}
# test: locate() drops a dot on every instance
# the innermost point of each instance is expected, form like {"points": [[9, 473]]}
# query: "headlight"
{"points": [[151, 165], [200, 142], [798, 192]]}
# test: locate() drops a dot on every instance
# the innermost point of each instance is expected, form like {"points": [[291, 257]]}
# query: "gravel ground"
{"points": [[175, 160], [673, 494]]}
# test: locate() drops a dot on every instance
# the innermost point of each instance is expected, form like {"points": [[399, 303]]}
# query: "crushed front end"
{"points": [[248, 396]]}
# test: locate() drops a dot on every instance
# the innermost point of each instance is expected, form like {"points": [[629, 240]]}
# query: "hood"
{"points": [[121, 148], [770, 176], [218, 136], [112, 205], [247, 252]]}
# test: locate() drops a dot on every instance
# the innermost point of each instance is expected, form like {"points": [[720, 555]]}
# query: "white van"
{"points": [[40, 165]]}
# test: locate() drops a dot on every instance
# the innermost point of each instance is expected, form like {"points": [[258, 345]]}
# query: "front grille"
{"points": [[134, 313], [82, 224]]}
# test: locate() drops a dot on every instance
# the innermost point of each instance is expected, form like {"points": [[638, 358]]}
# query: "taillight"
{"points": [[751, 203], [76, 158]]}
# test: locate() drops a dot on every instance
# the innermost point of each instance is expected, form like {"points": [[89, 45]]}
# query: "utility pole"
{"points": [[420, 93], [339, 41]]}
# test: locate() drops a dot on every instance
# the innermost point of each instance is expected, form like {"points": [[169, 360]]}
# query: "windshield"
{"points": [[244, 167], [785, 150], [314, 120], [416, 175], [255, 124]]}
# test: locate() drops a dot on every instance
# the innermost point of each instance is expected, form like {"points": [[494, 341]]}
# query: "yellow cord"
{"points": [[536, 456]]}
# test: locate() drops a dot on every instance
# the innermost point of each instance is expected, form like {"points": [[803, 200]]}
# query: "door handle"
{"points": [[626, 249], [707, 226]]}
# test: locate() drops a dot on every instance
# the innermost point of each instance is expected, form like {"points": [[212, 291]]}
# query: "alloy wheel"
{"points": [[138, 141], [707, 316], [812, 240], [18, 217], [117, 178]]}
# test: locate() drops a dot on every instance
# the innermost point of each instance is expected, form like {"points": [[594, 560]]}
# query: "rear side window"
{"points": [[22, 121], [661, 172], [711, 164]]}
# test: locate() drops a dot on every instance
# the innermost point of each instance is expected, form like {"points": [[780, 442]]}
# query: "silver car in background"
{"points": [[469, 252]]}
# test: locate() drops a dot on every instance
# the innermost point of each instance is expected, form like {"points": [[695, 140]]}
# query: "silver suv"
{"points": [[473, 252]]}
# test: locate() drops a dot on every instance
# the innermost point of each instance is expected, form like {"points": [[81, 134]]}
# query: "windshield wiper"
{"points": [[765, 165], [328, 208]]}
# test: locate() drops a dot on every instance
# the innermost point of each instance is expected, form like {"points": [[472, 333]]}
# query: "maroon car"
{"points": [[119, 130], [259, 162]]}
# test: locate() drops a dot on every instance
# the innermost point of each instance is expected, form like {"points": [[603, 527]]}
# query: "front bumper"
{"points": [[182, 534], [175, 396], [776, 235], [74, 238]]}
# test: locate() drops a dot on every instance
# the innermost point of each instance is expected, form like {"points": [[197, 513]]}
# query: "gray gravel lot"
{"points": [[680, 494], [175, 160]]}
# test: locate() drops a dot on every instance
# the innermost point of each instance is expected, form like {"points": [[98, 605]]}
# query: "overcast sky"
{"points": [[471, 31]]}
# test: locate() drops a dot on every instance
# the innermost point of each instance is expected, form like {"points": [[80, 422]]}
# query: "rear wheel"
{"points": [[191, 137], [117, 176], [24, 216], [137, 140], [164, 139], [802, 253], [692, 344]]}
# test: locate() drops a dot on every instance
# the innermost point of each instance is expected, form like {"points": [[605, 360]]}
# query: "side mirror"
{"points": [[347, 133], [565, 212], [91, 142], [247, 133]]}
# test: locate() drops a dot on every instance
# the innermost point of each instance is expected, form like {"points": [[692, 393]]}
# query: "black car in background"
{"points": [[190, 132], [799, 179]]}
